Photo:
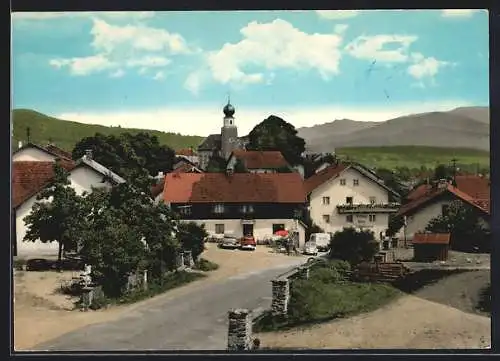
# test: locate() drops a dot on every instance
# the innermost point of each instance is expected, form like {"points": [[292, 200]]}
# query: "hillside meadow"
{"points": [[66, 134]]}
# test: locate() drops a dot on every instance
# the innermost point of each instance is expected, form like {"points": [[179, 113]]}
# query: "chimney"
{"points": [[442, 183], [88, 153], [20, 144], [160, 175]]}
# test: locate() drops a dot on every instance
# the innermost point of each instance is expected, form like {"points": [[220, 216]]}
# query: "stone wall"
{"points": [[239, 337], [281, 296]]}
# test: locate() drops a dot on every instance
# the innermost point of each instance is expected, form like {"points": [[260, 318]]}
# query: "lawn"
{"points": [[327, 295], [414, 157]]}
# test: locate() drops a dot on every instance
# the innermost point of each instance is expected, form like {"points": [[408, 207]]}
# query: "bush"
{"points": [[192, 237], [353, 246], [19, 264], [205, 265]]}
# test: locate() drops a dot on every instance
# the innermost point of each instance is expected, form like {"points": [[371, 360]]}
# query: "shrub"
{"points": [[205, 265], [353, 246], [192, 237]]}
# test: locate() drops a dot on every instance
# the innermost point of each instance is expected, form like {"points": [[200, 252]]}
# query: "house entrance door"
{"points": [[248, 229]]}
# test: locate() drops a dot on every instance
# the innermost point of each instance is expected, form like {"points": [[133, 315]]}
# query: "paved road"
{"points": [[196, 321]]}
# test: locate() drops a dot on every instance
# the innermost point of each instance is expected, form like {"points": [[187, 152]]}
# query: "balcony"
{"points": [[368, 208]]}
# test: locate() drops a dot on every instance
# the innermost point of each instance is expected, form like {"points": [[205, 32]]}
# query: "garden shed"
{"points": [[430, 247]]}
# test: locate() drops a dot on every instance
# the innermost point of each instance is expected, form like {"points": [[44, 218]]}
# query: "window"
{"points": [[278, 227], [185, 210], [355, 182], [372, 218], [348, 200], [445, 209], [326, 201], [247, 209], [348, 218], [372, 200], [219, 228], [342, 182], [219, 208], [326, 218]]}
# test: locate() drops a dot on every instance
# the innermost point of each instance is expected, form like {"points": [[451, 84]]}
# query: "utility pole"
{"points": [[454, 163]]}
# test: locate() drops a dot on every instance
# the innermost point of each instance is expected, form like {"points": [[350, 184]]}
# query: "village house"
{"points": [[238, 203], [188, 155], [29, 177], [258, 161], [34, 152], [350, 195], [429, 201]]}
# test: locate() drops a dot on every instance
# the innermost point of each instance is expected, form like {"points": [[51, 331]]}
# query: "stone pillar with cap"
{"points": [[281, 296], [239, 335]]}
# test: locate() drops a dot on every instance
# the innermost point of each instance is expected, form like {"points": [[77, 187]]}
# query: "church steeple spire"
{"points": [[229, 109]]}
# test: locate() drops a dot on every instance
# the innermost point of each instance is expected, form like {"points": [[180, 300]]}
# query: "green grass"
{"points": [[65, 134], [327, 295], [414, 156]]}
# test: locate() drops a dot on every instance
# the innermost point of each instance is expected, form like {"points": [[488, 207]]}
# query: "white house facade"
{"points": [[29, 178], [343, 196]]}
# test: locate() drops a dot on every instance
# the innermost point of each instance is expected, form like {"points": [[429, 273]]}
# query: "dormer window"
{"points": [[219, 209]]}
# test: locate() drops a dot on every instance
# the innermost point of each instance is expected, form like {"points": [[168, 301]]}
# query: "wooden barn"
{"points": [[430, 247]]}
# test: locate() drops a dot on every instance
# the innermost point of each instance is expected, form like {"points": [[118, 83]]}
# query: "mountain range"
{"points": [[465, 127]]}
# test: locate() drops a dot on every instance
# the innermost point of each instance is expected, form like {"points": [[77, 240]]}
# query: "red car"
{"points": [[248, 242]]}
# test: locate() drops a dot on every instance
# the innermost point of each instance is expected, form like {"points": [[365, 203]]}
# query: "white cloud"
{"points": [[159, 75], [117, 74], [149, 61], [426, 68], [271, 46], [87, 14], [375, 47], [84, 65], [337, 14], [109, 38], [459, 13], [208, 119], [118, 46], [340, 28]]}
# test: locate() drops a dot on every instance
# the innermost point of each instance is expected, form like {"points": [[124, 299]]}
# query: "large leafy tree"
{"points": [[127, 151], [57, 214], [276, 134], [192, 237], [463, 223]]}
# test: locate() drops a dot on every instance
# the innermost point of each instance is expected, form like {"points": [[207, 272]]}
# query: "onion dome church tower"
{"points": [[229, 131]]}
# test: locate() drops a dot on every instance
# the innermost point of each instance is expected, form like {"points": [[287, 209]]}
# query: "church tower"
{"points": [[229, 132]]}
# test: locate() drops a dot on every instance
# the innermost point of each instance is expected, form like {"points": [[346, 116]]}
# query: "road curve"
{"points": [[194, 321]]}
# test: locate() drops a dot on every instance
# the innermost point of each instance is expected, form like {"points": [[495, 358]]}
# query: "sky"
{"points": [[174, 71]]}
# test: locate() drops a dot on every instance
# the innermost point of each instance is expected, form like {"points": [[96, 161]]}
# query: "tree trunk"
{"points": [[59, 256]]}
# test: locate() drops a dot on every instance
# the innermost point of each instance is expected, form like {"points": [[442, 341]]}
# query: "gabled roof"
{"points": [[475, 186], [431, 238], [235, 188], [212, 142], [254, 159], [186, 167], [99, 168], [432, 194], [50, 149], [29, 177], [335, 170]]}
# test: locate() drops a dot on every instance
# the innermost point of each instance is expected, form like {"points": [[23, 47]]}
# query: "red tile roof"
{"points": [[235, 188], [58, 151], [28, 178], [185, 151], [323, 176], [254, 159], [433, 193], [431, 238], [475, 186]]}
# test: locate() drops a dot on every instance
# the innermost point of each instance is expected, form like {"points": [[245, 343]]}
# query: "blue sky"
{"points": [[173, 71]]}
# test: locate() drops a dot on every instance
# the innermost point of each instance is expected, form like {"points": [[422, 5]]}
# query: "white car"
{"points": [[310, 248]]}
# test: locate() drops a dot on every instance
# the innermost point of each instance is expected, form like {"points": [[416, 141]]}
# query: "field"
{"points": [[65, 134], [415, 157]]}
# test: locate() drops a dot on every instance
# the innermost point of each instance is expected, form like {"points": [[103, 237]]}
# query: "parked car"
{"points": [[39, 264], [229, 242], [310, 248], [322, 241], [248, 242]]}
